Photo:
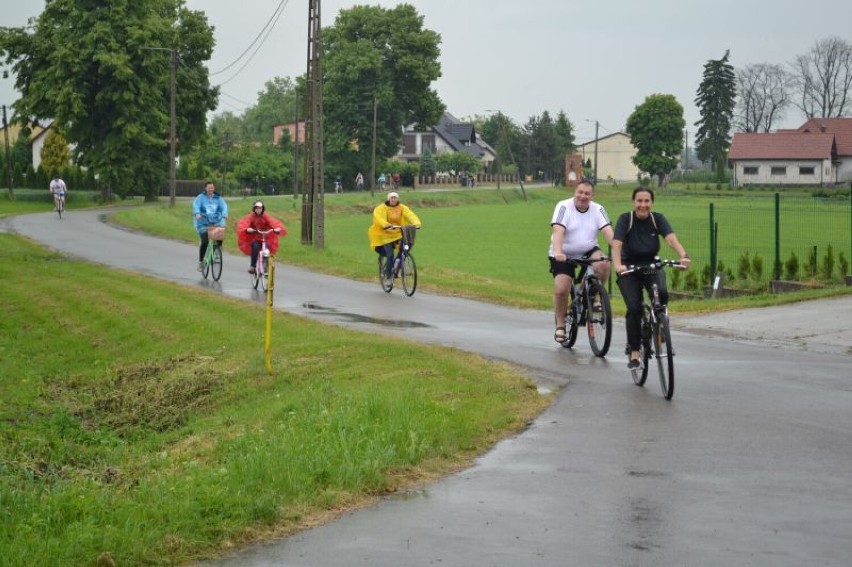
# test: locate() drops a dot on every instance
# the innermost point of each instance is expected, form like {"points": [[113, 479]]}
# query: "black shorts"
{"points": [[568, 267]]}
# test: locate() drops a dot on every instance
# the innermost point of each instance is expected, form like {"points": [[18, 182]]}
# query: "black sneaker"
{"points": [[634, 364]]}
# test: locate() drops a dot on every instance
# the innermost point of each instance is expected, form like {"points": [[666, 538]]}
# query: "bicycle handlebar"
{"points": [[400, 227], [588, 261], [653, 267]]}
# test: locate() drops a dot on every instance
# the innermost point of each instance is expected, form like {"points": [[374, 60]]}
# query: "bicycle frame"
{"points": [[212, 263], [589, 305], [261, 270], [404, 266]]}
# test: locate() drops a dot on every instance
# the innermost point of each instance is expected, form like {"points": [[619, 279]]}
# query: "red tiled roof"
{"points": [[840, 127], [781, 145]]}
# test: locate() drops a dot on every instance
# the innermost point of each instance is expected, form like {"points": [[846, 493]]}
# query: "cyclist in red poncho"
{"points": [[248, 238]]}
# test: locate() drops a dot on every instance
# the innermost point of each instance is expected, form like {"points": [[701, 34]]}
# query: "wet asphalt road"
{"points": [[749, 465]]}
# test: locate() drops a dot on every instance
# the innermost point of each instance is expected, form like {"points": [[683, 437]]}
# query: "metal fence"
{"points": [[757, 239]]}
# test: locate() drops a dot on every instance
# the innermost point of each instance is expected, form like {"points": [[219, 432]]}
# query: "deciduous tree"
{"points": [[656, 131], [377, 58], [823, 78], [102, 72], [763, 97]]}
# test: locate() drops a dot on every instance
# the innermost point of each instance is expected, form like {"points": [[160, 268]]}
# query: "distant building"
{"points": [[817, 153], [449, 135], [615, 154], [291, 128]]}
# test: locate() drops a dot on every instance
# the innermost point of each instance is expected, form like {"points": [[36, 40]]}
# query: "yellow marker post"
{"points": [[269, 290]]}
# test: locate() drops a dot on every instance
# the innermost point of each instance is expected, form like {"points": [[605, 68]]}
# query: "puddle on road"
{"points": [[355, 318]]}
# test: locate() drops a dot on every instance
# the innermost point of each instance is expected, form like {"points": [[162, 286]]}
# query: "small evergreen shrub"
{"points": [[791, 267]]}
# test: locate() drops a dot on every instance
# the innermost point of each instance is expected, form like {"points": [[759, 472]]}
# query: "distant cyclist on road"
{"points": [[382, 237], [58, 189], [208, 209], [250, 241]]}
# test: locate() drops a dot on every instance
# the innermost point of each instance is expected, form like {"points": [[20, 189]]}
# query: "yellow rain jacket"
{"points": [[384, 215]]}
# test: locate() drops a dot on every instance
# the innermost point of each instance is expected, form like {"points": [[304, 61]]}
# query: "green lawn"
{"points": [[492, 245], [138, 419]]}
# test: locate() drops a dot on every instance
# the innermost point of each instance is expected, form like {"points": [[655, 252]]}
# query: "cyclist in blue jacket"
{"points": [[208, 209]]}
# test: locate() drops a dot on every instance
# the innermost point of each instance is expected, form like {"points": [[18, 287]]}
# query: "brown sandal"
{"points": [[559, 335]]}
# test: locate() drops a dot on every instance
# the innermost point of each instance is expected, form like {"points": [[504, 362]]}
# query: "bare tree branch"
{"points": [[763, 97], [822, 79]]}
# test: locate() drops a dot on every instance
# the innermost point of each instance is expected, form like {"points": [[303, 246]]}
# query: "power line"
{"points": [[262, 35]]}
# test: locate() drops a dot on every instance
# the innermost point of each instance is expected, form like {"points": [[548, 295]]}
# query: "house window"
{"points": [[409, 144], [806, 171], [750, 170], [428, 141], [778, 171]]}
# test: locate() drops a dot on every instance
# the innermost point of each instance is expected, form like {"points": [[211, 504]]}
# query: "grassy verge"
{"points": [[137, 418], [484, 244]]}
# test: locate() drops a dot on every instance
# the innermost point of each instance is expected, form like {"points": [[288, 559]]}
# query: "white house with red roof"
{"points": [[817, 153]]}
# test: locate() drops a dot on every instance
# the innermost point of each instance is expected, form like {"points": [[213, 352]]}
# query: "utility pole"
{"points": [[597, 126], [373, 160], [313, 214], [173, 128], [296, 147], [8, 155], [172, 118]]}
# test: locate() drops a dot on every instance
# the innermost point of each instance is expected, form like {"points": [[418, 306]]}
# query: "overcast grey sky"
{"points": [[595, 60]]}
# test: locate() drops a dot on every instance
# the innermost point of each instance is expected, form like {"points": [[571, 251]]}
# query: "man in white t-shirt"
{"points": [[58, 188], [575, 226]]}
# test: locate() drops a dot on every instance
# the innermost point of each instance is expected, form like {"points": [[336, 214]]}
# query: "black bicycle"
{"points": [[589, 305], [404, 266], [656, 333]]}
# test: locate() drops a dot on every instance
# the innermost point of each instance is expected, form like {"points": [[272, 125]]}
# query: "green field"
{"points": [[493, 245]]}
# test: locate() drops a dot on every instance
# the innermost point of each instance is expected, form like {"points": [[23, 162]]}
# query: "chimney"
{"points": [[822, 127]]}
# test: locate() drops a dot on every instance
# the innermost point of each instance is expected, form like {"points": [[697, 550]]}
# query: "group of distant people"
{"points": [[381, 181]]}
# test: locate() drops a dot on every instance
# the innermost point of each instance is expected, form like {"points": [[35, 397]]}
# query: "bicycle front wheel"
{"points": [[599, 319], [640, 375], [59, 208], [263, 278], [385, 282], [571, 323], [409, 275], [216, 265], [665, 355]]}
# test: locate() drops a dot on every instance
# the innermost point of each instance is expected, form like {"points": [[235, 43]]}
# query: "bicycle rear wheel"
{"points": [[216, 265], [263, 278], [385, 282], [665, 355], [409, 275], [599, 319]]}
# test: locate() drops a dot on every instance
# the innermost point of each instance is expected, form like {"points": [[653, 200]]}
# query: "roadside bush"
{"points": [[690, 282], [811, 264], [757, 268], [827, 267], [676, 275], [791, 267], [743, 266], [843, 264]]}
